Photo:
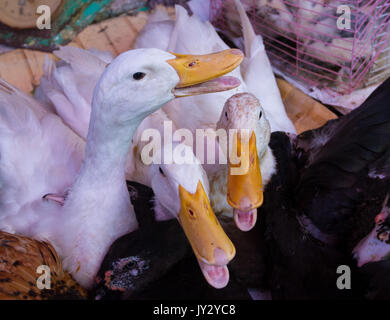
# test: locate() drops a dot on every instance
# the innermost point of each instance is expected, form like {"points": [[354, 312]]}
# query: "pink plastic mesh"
{"points": [[304, 41]]}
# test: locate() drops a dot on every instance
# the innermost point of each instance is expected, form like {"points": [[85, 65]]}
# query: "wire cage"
{"points": [[338, 46]]}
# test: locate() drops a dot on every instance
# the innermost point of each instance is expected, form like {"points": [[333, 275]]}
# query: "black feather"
{"points": [[334, 179]]}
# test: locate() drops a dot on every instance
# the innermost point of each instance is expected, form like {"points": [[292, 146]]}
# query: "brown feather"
{"points": [[20, 257]]}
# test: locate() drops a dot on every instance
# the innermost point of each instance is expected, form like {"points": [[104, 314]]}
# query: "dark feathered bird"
{"points": [[329, 187], [185, 282], [137, 259]]}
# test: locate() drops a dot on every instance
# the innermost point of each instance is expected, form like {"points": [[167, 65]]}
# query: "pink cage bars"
{"points": [[305, 42]]}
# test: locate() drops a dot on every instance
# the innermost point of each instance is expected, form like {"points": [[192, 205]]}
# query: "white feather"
{"points": [[39, 154], [73, 106]]}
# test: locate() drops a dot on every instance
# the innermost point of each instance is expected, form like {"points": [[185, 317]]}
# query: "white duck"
{"points": [[259, 80], [42, 156]]}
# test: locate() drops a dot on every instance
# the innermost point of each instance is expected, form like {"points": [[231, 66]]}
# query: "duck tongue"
{"points": [[215, 85], [245, 220], [216, 276]]}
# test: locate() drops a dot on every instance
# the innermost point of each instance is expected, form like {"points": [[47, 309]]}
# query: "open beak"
{"points": [[244, 186], [201, 74], [209, 242]]}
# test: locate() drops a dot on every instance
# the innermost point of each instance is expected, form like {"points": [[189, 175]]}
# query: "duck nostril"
{"points": [[191, 64], [192, 214], [237, 52]]}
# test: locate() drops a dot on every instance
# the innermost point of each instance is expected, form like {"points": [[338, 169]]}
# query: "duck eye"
{"points": [[161, 171], [226, 115], [260, 114], [139, 75]]}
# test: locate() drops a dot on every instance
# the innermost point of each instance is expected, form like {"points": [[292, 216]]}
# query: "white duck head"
{"points": [[243, 113], [155, 77], [182, 189]]}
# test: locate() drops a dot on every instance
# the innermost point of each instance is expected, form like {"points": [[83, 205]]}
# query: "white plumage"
{"points": [[74, 106], [40, 155]]}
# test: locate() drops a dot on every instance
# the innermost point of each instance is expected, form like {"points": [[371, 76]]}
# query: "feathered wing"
{"points": [[157, 31], [69, 85], [351, 151], [256, 68], [73, 103], [205, 109], [20, 259], [259, 77], [187, 28], [201, 8], [38, 155]]}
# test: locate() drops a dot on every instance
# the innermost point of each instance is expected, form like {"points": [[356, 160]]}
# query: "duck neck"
{"points": [[98, 208], [107, 148], [104, 164]]}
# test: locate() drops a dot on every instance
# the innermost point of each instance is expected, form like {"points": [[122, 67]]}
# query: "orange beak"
{"points": [[244, 186], [202, 228], [198, 71]]}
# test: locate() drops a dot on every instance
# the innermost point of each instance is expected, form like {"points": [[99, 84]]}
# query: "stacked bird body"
{"points": [[60, 195], [321, 189]]}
